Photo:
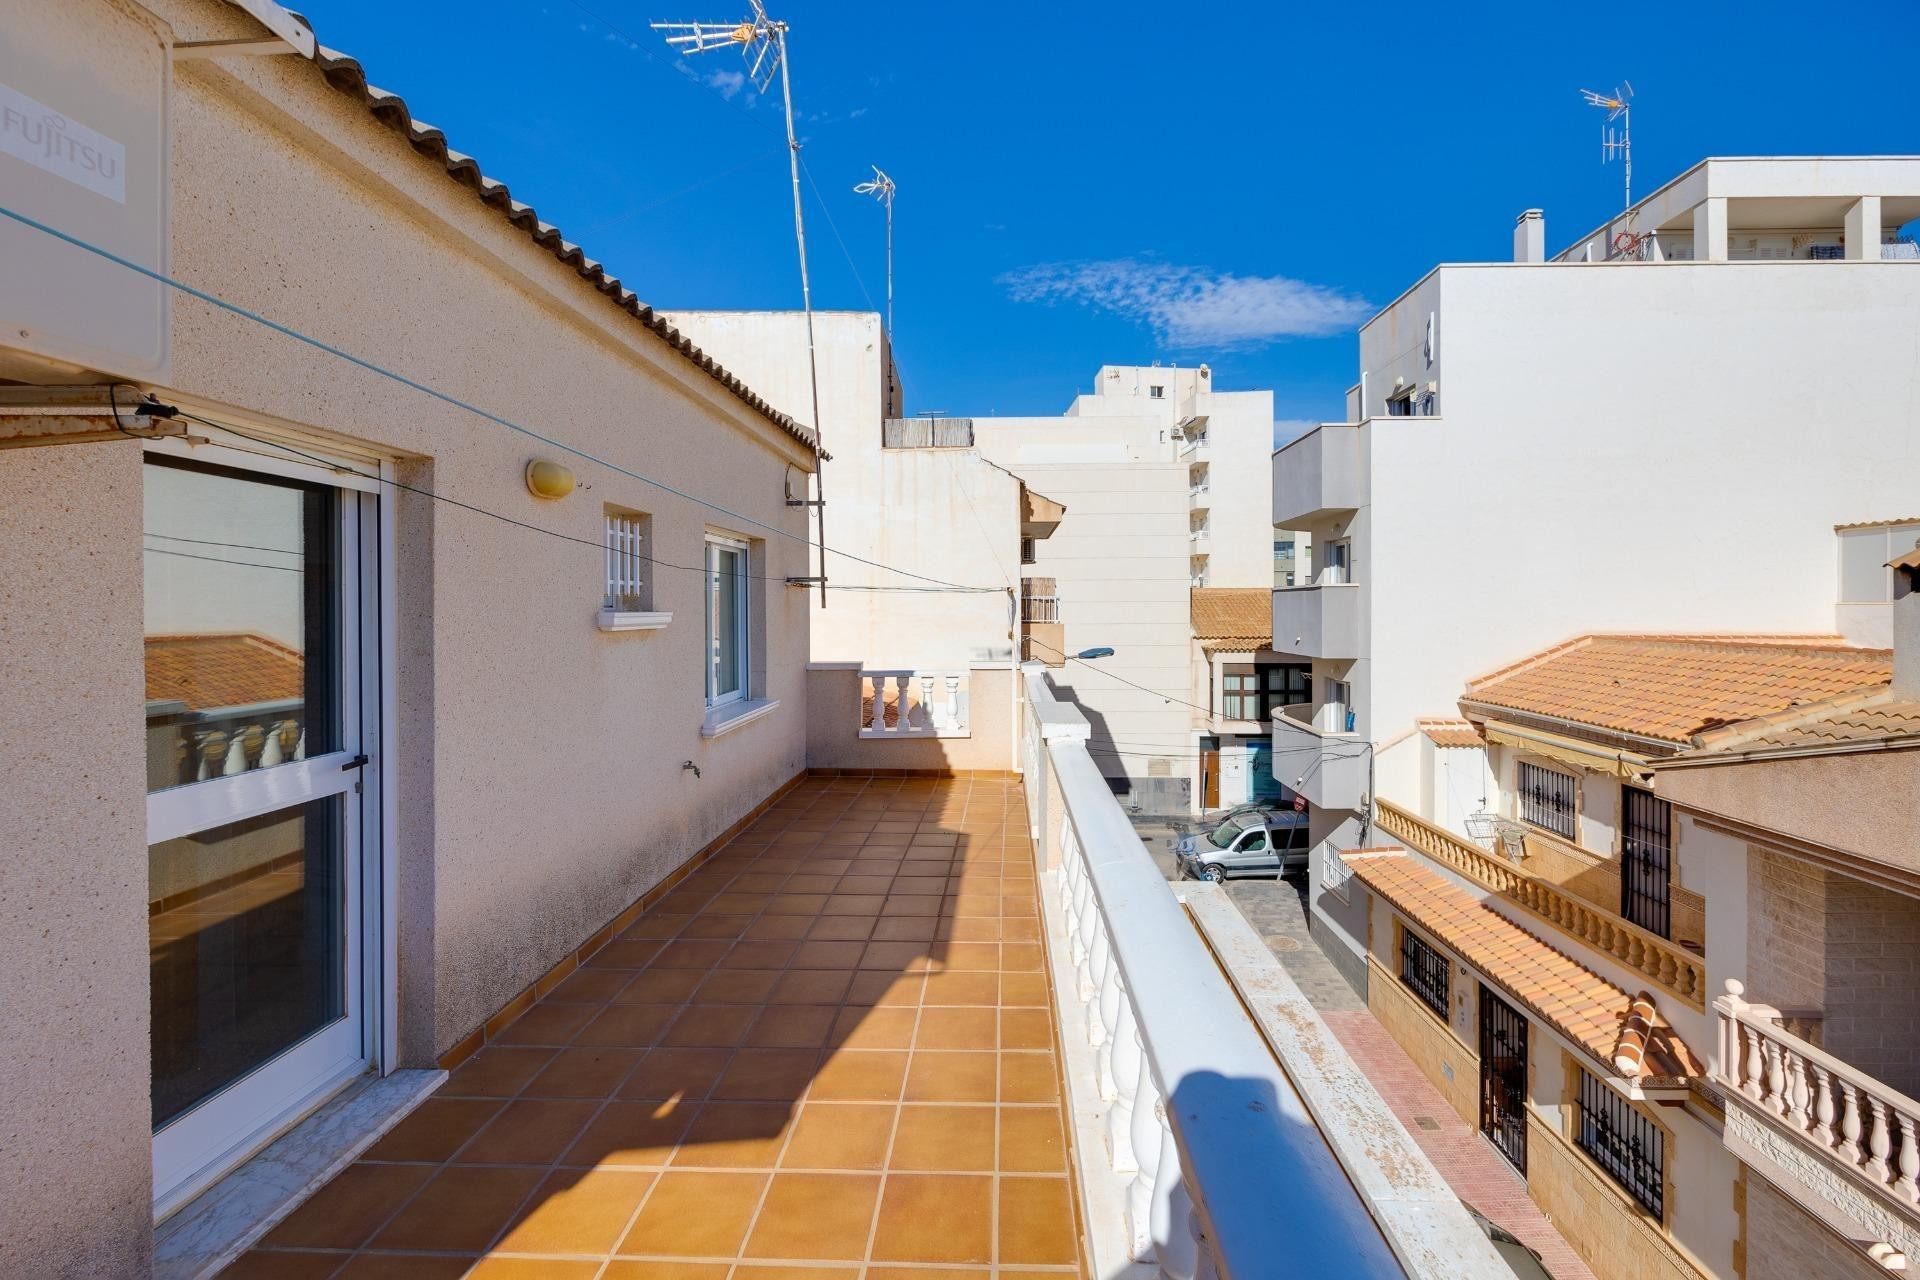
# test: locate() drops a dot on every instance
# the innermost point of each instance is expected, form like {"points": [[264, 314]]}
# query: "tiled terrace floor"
{"points": [[828, 1054]]}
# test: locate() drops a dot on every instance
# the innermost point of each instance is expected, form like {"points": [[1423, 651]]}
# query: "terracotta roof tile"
{"points": [[1232, 617], [1451, 733], [1674, 687], [1621, 1029], [228, 669], [1837, 722]]}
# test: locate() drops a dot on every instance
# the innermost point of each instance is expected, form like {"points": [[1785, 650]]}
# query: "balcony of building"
{"points": [[953, 1026], [1319, 620], [1043, 633], [1318, 476], [1318, 755]]}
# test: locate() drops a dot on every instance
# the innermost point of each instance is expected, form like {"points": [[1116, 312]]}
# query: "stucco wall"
{"points": [[75, 1174], [833, 727]]}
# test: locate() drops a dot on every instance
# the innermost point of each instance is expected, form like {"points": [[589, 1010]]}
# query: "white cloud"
{"points": [[1191, 307], [729, 83]]}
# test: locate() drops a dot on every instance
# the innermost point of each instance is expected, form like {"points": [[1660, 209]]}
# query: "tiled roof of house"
{"points": [[1232, 617], [390, 109], [1875, 524], [1619, 1028], [1450, 733], [1848, 721], [226, 669], [1674, 687]]}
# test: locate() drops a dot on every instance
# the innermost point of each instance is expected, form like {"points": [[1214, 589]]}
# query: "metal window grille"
{"points": [[626, 561], [1026, 551], [1628, 1147], [1646, 860], [1425, 971], [1548, 798]]}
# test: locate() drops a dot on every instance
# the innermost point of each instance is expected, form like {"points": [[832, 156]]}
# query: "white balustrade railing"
{"points": [[1203, 1149], [913, 704], [1867, 1128]]}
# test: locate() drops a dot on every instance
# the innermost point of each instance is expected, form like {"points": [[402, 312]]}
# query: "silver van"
{"points": [[1254, 841]]}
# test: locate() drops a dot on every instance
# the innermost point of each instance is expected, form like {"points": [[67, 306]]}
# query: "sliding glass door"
{"points": [[257, 704]]}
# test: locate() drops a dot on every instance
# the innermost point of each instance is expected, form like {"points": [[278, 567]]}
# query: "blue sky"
{"points": [[1086, 184]]}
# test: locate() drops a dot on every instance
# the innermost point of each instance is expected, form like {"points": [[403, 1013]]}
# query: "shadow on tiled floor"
{"points": [[828, 1054]]}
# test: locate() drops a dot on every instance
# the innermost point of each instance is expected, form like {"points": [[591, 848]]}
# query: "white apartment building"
{"points": [[1625, 432], [1160, 477]]}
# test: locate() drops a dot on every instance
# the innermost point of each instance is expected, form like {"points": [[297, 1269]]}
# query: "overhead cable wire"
{"points": [[444, 397]]}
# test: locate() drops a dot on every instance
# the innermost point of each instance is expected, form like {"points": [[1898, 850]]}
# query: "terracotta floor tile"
{"points": [[1036, 1221], [534, 1269], [875, 1028], [634, 1026], [591, 1072], [266, 1264], [631, 1133], [1024, 989], [699, 953], [956, 1028], [461, 1210], [827, 955], [342, 1214], [971, 956], [885, 988], [709, 1025], [685, 1074], [547, 1024], [950, 1139], [590, 986], [860, 1075], [738, 986], [404, 1266], [1031, 1140], [742, 1135], [778, 928], [715, 926], [695, 1215], [574, 1212], [795, 1271], [436, 1129], [660, 1269], [952, 1077], [811, 986], [660, 986], [919, 1273], [1028, 1077], [760, 954], [528, 1131], [815, 1215], [495, 1072], [962, 988], [920, 929], [840, 1135], [628, 953], [1026, 1028], [840, 929], [935, 1218], [792, 1026], [767, 1075]]}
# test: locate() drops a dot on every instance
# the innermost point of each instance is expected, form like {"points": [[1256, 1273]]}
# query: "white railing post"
{"points": [[952, 724], [1124, 1064], [1174, 1246]]}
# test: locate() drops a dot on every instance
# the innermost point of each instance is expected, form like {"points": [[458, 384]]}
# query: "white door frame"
{"points": [[221, 1131]]}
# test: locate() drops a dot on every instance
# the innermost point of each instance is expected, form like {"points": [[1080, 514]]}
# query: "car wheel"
{"points": [[1212, 874]]}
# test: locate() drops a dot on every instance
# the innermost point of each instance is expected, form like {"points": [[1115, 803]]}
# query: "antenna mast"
{"points": [[763, 44], [1618, 107], [882, 189]]}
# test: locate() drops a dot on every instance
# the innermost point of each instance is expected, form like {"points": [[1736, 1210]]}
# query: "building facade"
{"points": [[1161, 479], [1614, 425]]}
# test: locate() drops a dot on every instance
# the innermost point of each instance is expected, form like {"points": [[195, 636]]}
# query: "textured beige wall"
{"points": [[1785, 1242], [1863, 804], [75, 1174], [833, 727]]}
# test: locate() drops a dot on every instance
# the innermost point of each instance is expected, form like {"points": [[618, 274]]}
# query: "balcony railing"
{"points": [[1671, 968], [1198, 1154], [927, 433], [1317, 476], [1318, 621], [913, 704], [1316, 755], [1841, 1114]]}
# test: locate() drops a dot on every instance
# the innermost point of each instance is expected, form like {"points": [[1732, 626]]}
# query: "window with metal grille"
{"points": [[1026, 551], [1425, 971], [626, 562], [1549, 798], [1646, 860], [1628, 1147]]}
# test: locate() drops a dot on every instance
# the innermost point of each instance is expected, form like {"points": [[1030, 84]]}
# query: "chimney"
{"points": [[1906, 624], [1530, 237]]}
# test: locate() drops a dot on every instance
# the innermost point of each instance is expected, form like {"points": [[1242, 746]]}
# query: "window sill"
{"points": [[732, 715], [615, 620]]}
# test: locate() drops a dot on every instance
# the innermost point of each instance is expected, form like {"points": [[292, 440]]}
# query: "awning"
{"points": [[1581, 755], [1039, 515]]}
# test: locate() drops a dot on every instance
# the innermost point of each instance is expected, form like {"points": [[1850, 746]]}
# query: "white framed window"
{"points": [[726, 613], [626, 541], [1156, 393]]}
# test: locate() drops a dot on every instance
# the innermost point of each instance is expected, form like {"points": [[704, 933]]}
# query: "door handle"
{"points": [[358, 762]]}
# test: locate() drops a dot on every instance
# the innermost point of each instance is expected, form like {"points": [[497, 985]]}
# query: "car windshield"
{"points": [[1227, 832]]}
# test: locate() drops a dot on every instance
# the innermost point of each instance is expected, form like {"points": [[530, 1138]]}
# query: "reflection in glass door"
{"points": [[253, 588]]}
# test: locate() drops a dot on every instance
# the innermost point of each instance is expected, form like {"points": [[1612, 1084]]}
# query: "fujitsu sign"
{"points": [[44, 138]]}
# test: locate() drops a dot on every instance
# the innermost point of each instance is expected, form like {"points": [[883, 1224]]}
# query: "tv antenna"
{"points": [[1618, 106], [762, 42], [882, 189]]}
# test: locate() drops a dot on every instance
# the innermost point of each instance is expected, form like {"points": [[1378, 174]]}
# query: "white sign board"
{"points": [[83, 149]]}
